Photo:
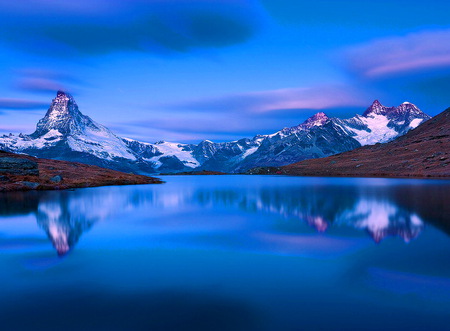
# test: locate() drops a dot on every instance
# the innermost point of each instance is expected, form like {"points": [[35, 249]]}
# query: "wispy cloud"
{"points": [[399, 55], [22, 104], [311, 98], [39, 80], [244, 115], [39, 85]]}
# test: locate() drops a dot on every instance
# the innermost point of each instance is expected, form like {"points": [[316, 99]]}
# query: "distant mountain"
{"points": [[321, 136], [422, 152], [66, 134]]}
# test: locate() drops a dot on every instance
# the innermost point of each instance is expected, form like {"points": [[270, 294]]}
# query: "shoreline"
{"points": [[20, 172]]}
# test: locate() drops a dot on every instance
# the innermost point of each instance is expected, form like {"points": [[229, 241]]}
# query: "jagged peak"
{"points": [[407, 105], [319, 115], [376, 102], [375, 108], [60, 116], [317, 119], [61, 93]]}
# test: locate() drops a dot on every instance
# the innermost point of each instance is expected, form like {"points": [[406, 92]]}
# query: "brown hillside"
{"points": [[422, 152], [21, 173]]}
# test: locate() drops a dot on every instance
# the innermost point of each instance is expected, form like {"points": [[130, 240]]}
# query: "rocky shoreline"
{"points": [[24, 173]]}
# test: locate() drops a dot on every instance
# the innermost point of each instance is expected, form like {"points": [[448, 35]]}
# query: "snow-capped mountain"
{"points": [[321, 136], [66, 134], [380, 124]]}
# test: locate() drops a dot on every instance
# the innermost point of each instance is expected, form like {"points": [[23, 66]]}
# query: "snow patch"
{"points": [[174, 149], [415, 123], [379, 131]]}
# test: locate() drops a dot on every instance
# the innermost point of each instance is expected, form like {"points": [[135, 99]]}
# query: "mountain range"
{"points": [[422, 152], [64, 133]]}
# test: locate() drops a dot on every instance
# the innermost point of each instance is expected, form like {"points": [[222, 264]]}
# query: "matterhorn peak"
{"points": [[61, 115]]}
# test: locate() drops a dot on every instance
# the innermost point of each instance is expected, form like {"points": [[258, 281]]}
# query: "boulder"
{"points": [[56, 179], [30, 185]]}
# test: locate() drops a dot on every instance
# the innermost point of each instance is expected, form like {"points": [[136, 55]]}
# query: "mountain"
{"points": [[320, 136], [422, 152], [66, 134]]}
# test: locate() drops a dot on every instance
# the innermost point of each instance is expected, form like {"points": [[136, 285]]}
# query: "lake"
{"points": [[228, 253]]}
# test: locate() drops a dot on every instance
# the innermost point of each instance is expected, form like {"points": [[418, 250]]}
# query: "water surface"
{"points": [[228, 253]]}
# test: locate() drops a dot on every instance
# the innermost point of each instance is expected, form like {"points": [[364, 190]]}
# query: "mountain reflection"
{"points": [[382, 211], [63, 221], [66, 215]]}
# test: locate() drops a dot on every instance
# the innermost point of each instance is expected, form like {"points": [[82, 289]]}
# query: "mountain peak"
{"points": [[408, 106], [376, 103], [60, 116], [61, 93], [318, 119], [376, 109]]}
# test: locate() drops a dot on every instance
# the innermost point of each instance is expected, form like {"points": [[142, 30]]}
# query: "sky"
{"points": [[189, 70]]}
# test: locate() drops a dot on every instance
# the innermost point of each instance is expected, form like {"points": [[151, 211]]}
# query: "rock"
{"points": [[18, 166], [4, 179], [31, 185], [263, 171], [56, 179]]}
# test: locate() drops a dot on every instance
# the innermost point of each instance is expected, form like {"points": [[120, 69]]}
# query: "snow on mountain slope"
{"points": [[182, 152], [64, 124], [380, 124], [65, 133], [375, 129]]}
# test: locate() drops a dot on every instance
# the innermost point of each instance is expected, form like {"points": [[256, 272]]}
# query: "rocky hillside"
{"points": [[23, 173], [422, 152]]}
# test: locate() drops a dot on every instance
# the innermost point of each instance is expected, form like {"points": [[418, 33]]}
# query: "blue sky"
{"points": [[188, 70]]}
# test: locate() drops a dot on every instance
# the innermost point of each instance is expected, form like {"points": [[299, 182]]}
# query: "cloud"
{"points": [[39, 85], [412, 53], [414, 67], [243, 115], [171, 26], [22, 104], [38, 80], [312, 98]]}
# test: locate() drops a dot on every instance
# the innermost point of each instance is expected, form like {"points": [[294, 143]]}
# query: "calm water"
{"points": [[228, 253]]}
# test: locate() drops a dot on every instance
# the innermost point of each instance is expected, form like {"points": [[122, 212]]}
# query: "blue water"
{"points": [[228, 253]]}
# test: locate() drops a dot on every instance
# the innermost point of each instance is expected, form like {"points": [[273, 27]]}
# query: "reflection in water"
{"points": [[66, 215], [63, 224], [322, 206], [383, 219], [382, 210]]}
